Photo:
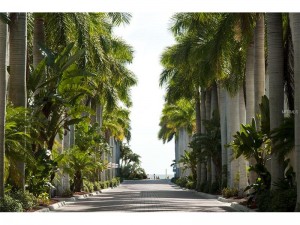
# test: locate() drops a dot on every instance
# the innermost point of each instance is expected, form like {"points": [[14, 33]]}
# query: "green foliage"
{"points": [[191, 184], [40, 174], [230, 192], [27, 199], [251, 141], [67, 194], [97, 186], [88, 186], [283, 138], [8, 204], [43, 198], [263, 201], [182, 181], [189, 161]]}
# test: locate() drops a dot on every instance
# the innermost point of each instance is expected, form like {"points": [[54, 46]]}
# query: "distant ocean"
{"points": [[161, 176]]}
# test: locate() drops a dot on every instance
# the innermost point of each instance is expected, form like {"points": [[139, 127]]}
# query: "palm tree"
{"points": [[177, 120], [295, 26], [276, 90], [3, 89], [17, 81], [259, 63]]}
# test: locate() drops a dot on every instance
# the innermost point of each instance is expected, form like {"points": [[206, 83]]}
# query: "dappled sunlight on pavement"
{"points": [[147, 196]]}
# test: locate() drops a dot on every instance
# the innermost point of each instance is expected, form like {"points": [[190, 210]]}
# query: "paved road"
{"points": [[147, 196]]}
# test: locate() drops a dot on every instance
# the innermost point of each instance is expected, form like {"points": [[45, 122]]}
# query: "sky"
{"points": [[148, 34]]}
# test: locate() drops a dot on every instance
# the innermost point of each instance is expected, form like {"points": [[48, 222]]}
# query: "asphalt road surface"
{"points": [[147, 196]]}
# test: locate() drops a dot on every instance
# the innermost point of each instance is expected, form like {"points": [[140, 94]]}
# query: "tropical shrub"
{"points": [[67, 193], [230, 192], [88, 186], [27, 199], [182, 181], [191, 184], [43, 199], [8, 204], [97, 186]]}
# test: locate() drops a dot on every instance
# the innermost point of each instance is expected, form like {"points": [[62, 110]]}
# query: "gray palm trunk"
{"points": [[276, 90], [233, 127], [250, 99], [3, 87], [203, 115], [223, 127], [214, 108], [17, 80], [208, 116], [295, 27], [243, 163], [259, 61], [198, 131]]}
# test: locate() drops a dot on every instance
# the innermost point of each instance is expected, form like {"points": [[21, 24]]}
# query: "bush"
{"points": [[28, 200], [88, 186], [114, 182], [284, 200], [97, 186], [229, 192], [67, 193], [182, 181], [174, 179], [8, 204], [43, 199], [191, 184], [263, 201]]}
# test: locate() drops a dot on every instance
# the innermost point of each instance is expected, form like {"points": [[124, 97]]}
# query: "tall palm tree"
{"points": [[17, 81], [276, 90], [177, 119], [259, 63], [3, 89], [295, 26]]}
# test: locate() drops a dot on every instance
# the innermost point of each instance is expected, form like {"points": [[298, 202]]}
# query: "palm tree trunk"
{"points": [[178, 174], [276, 90], [243, 163], [214, 108], [295, 27], [222, 111], [234, 126], [250, 99], [3, 88], [17, 80], [208, 117], [198, 131], [203, 115], [259, 61]]}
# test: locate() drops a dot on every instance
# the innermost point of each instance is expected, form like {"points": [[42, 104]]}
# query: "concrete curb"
{"points": [[238, 207], [43, 210], [234, 205], [62, 201], [52, 207], [56, 205]]}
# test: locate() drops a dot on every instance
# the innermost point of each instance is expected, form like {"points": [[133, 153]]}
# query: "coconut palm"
{"points": [[3, 89], [276, 91], [295, 26], [17, 81]]}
